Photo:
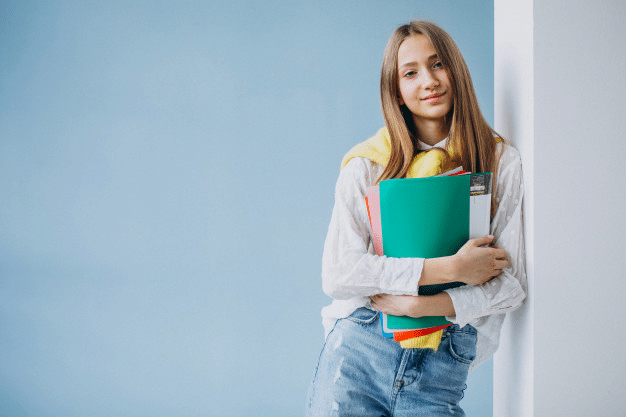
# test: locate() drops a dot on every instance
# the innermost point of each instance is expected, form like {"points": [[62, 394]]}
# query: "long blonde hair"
{"points": [[470, 136]]}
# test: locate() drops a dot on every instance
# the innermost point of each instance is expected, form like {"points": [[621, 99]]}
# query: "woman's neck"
{"points": [[432, 132]]}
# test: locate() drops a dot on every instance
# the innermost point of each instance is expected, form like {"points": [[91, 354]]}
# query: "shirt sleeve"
{"points": [[507, 291], [350, 268]]}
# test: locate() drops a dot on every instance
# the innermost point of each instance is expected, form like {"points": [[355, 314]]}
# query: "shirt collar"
{"points": [[424, 146]]}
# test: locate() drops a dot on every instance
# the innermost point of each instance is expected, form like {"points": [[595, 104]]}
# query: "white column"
{"points": [[560, 96], [514, 118]]}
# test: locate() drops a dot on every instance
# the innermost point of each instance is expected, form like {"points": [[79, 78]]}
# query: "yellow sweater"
{"points": [[378, 149]]}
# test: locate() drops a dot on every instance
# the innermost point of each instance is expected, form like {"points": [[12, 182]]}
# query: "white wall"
{"points": [[559, 73]]}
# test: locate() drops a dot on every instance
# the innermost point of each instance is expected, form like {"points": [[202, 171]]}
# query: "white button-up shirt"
{"points": [[351, 271]]}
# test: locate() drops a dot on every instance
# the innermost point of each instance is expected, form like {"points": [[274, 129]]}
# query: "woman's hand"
{"points": [[397, 305], [476, 264]]}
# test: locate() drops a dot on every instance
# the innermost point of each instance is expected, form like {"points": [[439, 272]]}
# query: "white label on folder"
{"points": [[480, 206]]}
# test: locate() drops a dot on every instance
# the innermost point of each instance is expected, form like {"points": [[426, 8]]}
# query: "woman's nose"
{"points": [[429, 80]]}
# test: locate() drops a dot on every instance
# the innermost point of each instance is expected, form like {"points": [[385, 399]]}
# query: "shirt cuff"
{"points": [[463, 306]]}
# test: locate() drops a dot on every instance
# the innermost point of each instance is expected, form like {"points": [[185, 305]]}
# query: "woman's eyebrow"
{"points": [[413, 63]]}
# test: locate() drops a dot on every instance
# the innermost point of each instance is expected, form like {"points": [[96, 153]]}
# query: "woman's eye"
{"points": [[438, 64], [410, 73]]}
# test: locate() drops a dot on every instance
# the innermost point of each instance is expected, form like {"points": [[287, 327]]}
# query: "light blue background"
{"points": [[166, 183]]}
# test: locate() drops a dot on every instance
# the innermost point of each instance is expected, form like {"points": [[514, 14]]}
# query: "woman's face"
{"points": [[423, 82]]}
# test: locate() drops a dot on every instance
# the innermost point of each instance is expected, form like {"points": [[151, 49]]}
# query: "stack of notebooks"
{"points": [[427, 218]]}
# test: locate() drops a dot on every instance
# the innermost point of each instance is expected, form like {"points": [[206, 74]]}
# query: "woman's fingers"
{"points": [[497, 268], [375, 299], [482, 241], [478, 262], [497, 262], [377, 302], [499, 253], [500, 264]]}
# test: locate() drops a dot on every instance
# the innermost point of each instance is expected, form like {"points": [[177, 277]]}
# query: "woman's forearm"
{"points": [[414, 306], [438, 271], [435, 305]]}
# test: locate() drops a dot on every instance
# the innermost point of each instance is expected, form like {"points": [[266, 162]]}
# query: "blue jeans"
{"points": [[361, 373]]}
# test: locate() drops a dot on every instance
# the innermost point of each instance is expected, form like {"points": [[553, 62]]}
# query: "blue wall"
{"points": [[166, 182]]}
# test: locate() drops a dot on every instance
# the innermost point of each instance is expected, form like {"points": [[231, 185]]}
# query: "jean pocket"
{"points": [[462, 345], [363, 316]]}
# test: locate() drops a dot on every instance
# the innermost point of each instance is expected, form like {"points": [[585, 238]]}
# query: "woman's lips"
{"points": [[433, 97]]}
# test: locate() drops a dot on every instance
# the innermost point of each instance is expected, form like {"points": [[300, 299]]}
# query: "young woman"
{"points": [[428, 101]]}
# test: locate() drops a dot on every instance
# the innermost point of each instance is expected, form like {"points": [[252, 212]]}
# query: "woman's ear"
{"points": [[400, 101]]}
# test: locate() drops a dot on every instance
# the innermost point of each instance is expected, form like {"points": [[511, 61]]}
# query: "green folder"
{"points": [[428, 218]]}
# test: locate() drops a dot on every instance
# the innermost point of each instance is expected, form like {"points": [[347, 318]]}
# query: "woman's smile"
{"points": [[433, 97]]}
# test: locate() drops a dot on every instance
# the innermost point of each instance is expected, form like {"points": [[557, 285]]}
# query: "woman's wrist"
{"points": [[439, 270], [433, 305]]}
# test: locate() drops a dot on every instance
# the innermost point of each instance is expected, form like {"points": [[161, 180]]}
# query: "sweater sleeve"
{"points": [[349, 266], [505, 292]]}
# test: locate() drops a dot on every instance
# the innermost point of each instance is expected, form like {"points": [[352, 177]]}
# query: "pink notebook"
{"points": [[373, 210]]}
